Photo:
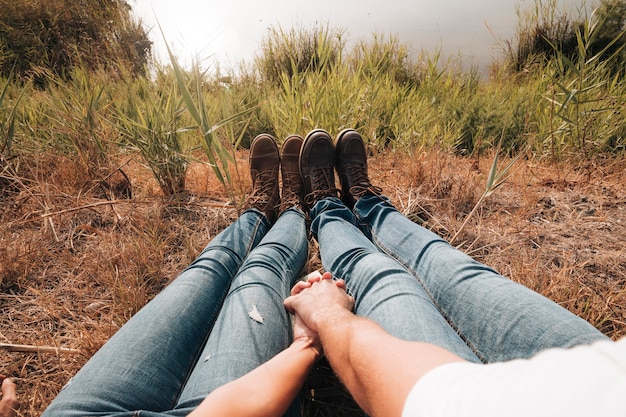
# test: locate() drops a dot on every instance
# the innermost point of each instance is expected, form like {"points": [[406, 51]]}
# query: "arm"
{"points": [[8, 403], [378, 369], [269, 389]]}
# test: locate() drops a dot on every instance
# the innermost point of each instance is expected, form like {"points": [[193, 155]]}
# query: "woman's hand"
{"points": [[301, 332], [8, 403]]}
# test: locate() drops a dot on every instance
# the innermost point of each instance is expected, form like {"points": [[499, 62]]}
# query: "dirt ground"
{"points": [[78, 259]]}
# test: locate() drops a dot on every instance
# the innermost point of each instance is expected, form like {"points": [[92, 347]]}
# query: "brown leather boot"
{"points": [[317, 167], [293, 194], [351, 163], [264, 164]]}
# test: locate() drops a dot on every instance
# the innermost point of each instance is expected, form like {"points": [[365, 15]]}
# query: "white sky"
{"points": [[231, 30]]}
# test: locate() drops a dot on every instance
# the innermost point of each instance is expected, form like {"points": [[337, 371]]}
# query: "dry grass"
{"points": [[71, 277]]}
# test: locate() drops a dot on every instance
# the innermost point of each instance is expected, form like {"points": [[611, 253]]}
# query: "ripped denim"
{"points": [[222, 317]]}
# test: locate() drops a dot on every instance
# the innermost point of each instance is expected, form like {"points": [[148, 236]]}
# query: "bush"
{"points": [[59, 35], [151, 121], [544, 32], [384, 56], [298, 51]]}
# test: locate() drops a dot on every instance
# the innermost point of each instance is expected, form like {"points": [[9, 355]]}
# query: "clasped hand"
{"points": [[315, 301]]}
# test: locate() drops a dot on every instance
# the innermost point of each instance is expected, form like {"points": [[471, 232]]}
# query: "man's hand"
{"points": [[8, 403], [310, 301]]}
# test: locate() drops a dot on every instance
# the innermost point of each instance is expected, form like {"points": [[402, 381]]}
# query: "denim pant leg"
{"points": [[253, 325], [145, 364], [384, 290], [498, 318]]}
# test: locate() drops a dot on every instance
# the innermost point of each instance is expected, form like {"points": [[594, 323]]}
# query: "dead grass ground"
{"points": [[78, 260]]}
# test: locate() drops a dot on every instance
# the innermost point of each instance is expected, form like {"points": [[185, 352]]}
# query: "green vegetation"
{"points": [[151, 123], [546, 31], [7, 131], [39, 37], [558, 100]]}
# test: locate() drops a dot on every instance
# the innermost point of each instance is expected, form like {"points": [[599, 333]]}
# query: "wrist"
{"points": [[309, 344], [330, 316]]}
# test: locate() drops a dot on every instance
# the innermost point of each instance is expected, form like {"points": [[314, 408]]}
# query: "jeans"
{"points": [[221, 318], [420, 288]]}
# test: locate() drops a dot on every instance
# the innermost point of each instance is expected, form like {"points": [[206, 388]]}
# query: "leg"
{"points": [[239, 341], [253, 325], [498, 318], [384, 290], [145, 364]]}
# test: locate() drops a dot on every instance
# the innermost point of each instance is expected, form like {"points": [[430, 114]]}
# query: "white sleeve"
{"points": [[582, 381]]}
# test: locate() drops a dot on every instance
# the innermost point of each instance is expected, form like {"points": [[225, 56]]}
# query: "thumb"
{"points": [[9, 396], [288, 303]]}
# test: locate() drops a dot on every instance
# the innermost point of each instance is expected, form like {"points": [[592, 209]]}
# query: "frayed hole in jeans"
{"points": [[255, 315]]}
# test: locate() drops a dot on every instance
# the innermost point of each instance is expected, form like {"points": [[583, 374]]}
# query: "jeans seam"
{"points": [[390, 253]]}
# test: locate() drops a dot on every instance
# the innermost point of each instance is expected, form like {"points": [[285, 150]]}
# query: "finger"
{"points": [[341, 284], [327, 275], [288, 304], [300, 285], [314, 278]]}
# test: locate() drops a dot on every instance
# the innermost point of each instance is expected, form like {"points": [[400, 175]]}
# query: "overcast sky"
{"points": [[231, 30]]}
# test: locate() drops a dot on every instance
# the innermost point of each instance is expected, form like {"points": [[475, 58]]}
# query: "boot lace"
{"points": [[292, 190], [264, 184], [321, 180], [361, 182]]}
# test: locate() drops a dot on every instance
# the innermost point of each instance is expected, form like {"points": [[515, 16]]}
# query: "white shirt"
{"points": [[586, 381]]}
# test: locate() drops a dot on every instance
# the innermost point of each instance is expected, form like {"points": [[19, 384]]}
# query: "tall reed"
{"points": [[151, 121], [586, 97], [76, 117], [7, 134]]}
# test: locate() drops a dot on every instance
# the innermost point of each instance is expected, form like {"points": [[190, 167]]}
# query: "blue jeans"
{"points": [[420, 288], [198, 333]]}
